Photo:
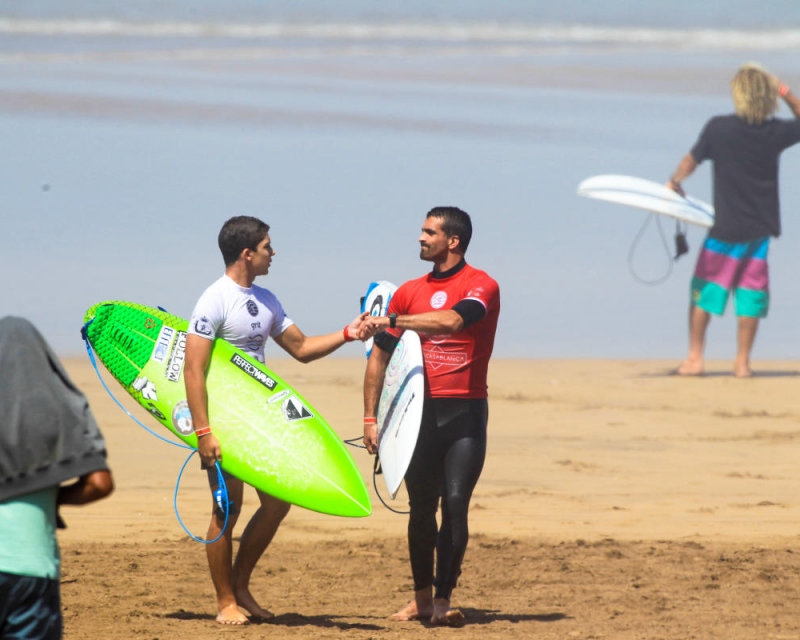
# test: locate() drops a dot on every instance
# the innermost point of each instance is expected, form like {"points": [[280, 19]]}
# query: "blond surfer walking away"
{"points": [[744, 148], [246, 315], [454, 309]]}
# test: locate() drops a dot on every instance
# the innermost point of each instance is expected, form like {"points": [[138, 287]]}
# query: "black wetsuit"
{"points": [[447, 463]]}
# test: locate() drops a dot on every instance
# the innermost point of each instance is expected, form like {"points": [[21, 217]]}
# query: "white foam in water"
{"points": [[729, 39]]}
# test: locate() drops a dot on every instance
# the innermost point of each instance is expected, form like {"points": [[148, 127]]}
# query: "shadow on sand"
{"points": [[473, 617], [670, 373]]}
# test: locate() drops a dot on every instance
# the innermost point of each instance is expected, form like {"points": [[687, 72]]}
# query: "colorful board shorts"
{"points": [[30, 608], [738, 267]]}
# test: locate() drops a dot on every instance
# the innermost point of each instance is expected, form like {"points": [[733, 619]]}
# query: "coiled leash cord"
{"points": [[681, 247], [220, 496], [376, 471]]}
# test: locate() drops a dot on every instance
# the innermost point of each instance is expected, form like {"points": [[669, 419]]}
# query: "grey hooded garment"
{"points": [[47, 432]]}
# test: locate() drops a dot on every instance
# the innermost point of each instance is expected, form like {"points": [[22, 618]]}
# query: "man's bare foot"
{"points": [[689, 368], [247, 602], [411, 612], [743, 372], [443, 615], [230, 614]]}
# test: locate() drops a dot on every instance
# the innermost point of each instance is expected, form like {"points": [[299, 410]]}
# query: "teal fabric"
{"points": [[709, 296], [713, 298], [750, 303], [28, 544]]}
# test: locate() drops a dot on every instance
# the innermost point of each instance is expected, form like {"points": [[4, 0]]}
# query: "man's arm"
{"points": [[88, 488], [308, 348], [434, 323], [373, 385], [198, 355], [684, 170]]}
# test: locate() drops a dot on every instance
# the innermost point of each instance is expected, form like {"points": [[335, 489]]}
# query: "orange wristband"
{"points": [[347, 338], [783, 90], [371, 420], [202, 432]]}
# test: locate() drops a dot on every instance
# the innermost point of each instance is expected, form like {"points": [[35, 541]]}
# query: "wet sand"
{"points": [[617, 501]]}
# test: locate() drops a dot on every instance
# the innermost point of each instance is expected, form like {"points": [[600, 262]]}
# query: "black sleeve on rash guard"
{"points": [[471, 311], [385, 341]]}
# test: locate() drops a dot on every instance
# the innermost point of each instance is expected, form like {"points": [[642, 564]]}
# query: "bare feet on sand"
{"points": [[247, 602], [411, 612], [445, 616], [231, 615], [689, 368]]}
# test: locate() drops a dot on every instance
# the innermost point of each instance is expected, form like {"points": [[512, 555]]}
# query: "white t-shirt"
{"points": [[243, 317]]}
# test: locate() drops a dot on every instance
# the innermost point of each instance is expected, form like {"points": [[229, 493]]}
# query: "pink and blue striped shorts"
{"points": [[738, 267]]}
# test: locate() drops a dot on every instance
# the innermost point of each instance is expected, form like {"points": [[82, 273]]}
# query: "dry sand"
{"points": [[617, 502]]}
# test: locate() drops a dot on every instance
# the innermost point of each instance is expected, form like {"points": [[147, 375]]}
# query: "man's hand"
{"points": [[676, 187], [373, 325], [208, 448], [371, 437], [355, 328]]}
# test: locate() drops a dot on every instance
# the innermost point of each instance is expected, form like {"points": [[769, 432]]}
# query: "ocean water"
{"points": [[131, 131], [657, 14]]}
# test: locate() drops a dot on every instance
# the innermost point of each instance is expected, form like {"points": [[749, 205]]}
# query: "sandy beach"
{"points": [[617, 501]]}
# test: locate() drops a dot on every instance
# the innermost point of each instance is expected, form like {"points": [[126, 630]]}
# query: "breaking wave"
{"points": [[577, 35]]}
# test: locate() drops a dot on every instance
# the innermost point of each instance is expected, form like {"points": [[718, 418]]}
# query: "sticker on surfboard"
{"points": [[648, 195], [376, 302]]}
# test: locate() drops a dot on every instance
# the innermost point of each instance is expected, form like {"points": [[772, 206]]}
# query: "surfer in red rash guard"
{"points": [[246, 315], [745, 148], [455, 310]]}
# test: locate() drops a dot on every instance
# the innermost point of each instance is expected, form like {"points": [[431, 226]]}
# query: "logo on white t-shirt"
{"points": [[252, 308], [202, 327], [438, 299]]}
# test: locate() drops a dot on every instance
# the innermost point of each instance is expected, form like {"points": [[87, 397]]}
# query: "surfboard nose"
{"points": [[123, 337]]}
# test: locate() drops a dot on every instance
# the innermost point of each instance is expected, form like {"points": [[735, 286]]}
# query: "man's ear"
{"points": [[453, 242]]}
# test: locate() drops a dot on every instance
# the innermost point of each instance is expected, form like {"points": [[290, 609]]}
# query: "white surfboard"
{"points": [[648, 195], [376, 301], [400, 410]]}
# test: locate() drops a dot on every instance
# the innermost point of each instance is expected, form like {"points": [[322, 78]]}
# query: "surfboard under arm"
{"points": [[648, 195]]}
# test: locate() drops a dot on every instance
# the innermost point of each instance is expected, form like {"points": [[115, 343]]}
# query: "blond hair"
{"points": [[755, 93]]}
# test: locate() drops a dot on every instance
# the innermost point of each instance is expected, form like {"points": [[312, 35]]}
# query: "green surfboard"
{"points": [[270, 437]]}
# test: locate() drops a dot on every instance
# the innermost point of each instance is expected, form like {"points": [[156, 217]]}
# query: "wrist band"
{"points": [[202, 432], [783, 90], [371, 420], [347, 338]]}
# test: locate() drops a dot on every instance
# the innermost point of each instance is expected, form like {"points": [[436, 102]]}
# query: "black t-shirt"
{"points": [[745, 174]]}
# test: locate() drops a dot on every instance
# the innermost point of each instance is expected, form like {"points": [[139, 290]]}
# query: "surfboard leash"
{"points": [[681, 247], [223, 489], [220, 497], [376, 471]]}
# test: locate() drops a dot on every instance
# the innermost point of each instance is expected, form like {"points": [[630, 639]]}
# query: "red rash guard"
{"points": [[456, 365]]}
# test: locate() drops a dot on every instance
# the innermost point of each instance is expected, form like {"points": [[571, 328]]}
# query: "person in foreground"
{"points": [[48, 436], [455, 309], [246, 315], [745, 148]]}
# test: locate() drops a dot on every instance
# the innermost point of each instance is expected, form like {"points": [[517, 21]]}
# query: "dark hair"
{"points": [[455, 222], [240, 233]]}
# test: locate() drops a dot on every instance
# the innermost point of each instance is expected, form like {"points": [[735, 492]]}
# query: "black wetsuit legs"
{"points": [[447, 463]]}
